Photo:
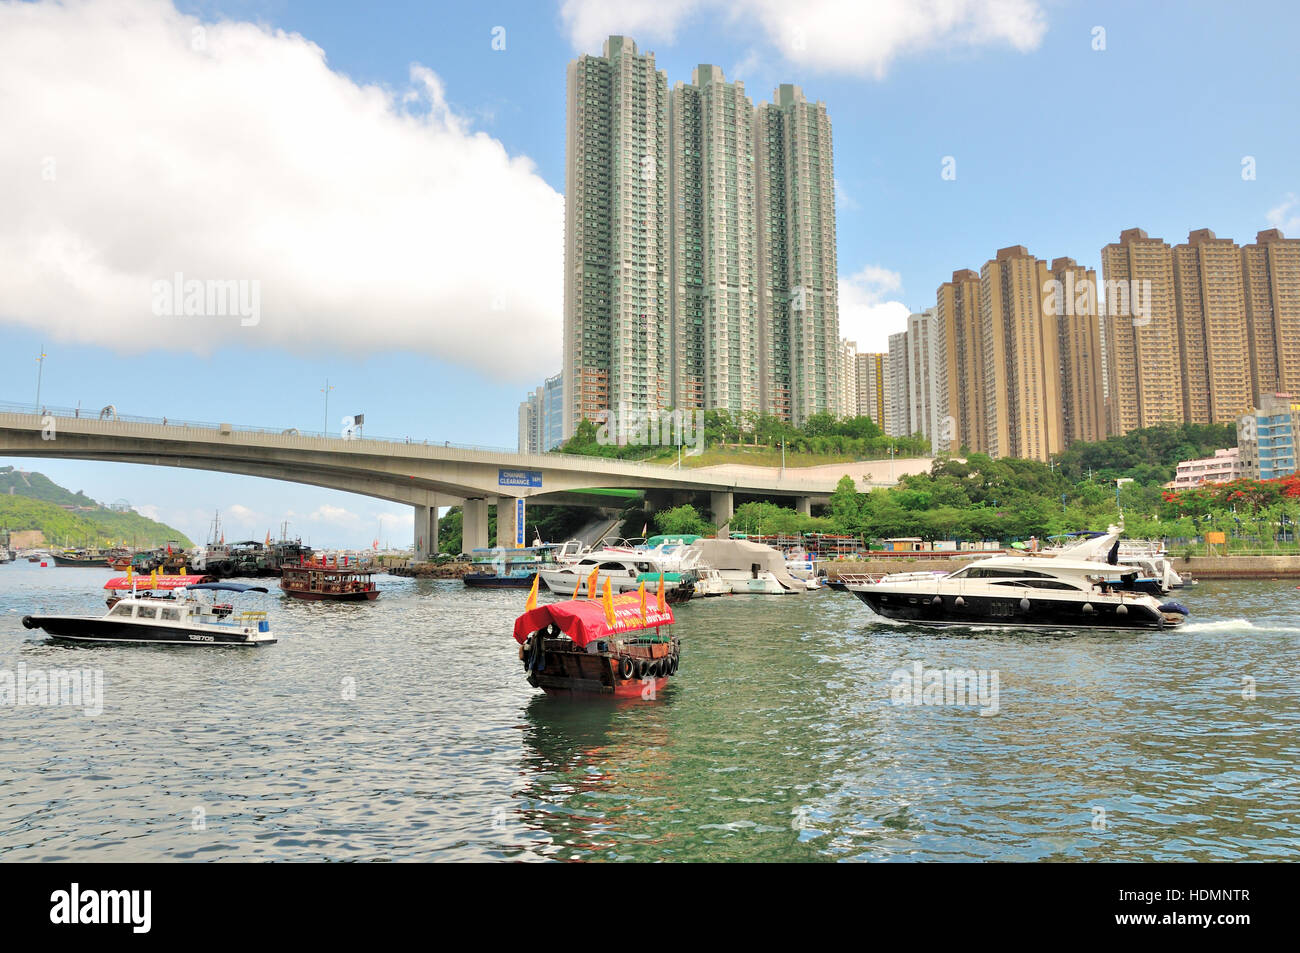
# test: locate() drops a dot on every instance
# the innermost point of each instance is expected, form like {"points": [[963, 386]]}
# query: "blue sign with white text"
{"points": [[519, 478]]}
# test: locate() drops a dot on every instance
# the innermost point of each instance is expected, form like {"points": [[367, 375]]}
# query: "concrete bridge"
{"points": [[424, 475]]}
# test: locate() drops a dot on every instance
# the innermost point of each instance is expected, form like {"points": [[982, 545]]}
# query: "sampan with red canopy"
{"points": [[583, 620], [576, 648]]}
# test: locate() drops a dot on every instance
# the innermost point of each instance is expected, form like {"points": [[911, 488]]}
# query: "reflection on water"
{"points": [[404, 729]]}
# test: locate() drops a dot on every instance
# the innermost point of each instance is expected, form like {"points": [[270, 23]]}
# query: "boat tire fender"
{"points": [[626, 669]]}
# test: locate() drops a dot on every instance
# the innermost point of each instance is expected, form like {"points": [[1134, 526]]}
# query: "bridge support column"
{"points": [[422, 545], [803, 504], [723, 506], [474, 525], [506, 522], [433, 531]]}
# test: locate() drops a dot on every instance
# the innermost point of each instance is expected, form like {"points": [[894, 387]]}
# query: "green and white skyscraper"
{"points": [[616, 347], [700, 267]]}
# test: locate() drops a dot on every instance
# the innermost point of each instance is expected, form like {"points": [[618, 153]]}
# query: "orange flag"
{"points": [[576, 587], [641, 592], [591, 582], [531, 604], [609, 605], [659, 596]]}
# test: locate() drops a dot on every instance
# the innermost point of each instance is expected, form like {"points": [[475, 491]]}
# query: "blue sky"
{"points": [[1057, 146]]}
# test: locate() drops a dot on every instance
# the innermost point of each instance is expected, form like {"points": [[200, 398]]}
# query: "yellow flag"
{"points": [[531, 604], [641, 592], [153, 579], [591, 582], [659, 595], [129, 573], [576, 587], [609, 605]]}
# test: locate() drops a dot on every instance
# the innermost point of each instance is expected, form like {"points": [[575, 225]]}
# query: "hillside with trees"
{"points": [[32, 501]]}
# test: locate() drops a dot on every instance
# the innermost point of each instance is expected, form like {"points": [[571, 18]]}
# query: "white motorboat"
{"points": [[164, 620], [1020, 592]]}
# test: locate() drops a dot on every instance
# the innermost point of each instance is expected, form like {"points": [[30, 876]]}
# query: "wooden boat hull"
{"points": [[568, 671], [365, 596], [80, 563]]}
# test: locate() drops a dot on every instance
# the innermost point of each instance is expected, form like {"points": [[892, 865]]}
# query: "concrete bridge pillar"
{"points": [[506, 522], [421, 544], [474, 532], [803, 504], [723, 506]]}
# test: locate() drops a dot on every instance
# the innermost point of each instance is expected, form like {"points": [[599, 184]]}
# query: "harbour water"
{"points": [[404, 730]]}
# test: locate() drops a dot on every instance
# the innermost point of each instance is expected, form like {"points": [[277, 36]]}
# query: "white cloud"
{"points": [[1286, 215], [869, 309], [140, 142], [846, 36], [589, 22]]}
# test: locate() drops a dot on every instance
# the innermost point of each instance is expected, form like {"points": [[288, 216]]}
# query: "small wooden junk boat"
{"points": [[316, 580], [621, 646]]}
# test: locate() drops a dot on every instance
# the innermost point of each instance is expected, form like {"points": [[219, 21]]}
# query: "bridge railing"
{"points": [[111, 414]]}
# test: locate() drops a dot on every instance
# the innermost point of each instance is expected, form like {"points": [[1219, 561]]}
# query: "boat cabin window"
{"points": [[988, 572], [612, 567], [1039, 584], [170, 615], [121, 609], [145, 612]]}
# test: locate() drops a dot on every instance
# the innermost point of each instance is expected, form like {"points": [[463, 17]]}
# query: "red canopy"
{"points": [[143, 581], [583, 620]]}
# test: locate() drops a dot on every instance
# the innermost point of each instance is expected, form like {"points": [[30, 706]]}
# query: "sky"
{"points": [[385, 183]]}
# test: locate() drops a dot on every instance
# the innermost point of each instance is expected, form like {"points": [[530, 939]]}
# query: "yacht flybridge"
{"points": [[1020, 592]]}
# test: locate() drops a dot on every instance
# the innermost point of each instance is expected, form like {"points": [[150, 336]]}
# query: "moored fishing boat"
{"points": [[80, 558], [619, 646], [146, 619], [320, 582]]}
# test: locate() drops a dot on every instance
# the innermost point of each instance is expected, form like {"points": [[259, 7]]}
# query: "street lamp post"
{"points": [[40, 369], [326, 391]]}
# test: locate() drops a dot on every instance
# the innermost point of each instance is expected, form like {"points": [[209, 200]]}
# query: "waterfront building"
{"points": [[1022, 385], [1143, 372], [1223, 467], [959, 364], [1214, 351], [1268, 437], [898, 420]]}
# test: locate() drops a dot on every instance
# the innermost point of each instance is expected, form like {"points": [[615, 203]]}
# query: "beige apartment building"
{"points": [[1210, 303], [1022, 386], [1078, 326], [1271, 284], [1144, 369], [959, 364]]}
